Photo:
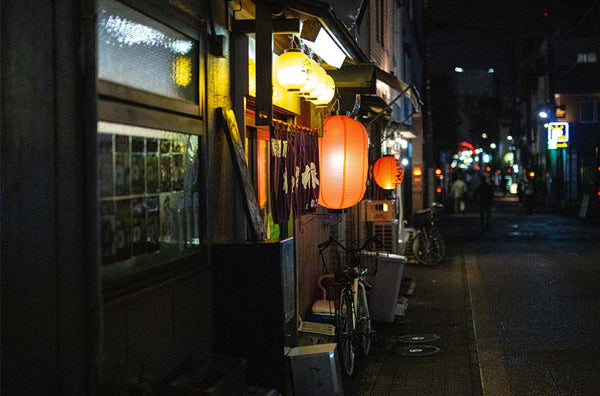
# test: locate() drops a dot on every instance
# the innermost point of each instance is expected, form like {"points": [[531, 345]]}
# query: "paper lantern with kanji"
{"points": [[343, 162], [388, 172]]}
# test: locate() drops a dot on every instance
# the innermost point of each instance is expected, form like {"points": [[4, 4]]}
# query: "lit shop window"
{"points": [[257, 157], [149, 201], [139, 52], [589, 57]]}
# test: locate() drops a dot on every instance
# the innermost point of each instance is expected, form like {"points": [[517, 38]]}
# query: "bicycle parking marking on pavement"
{"points": [[494, 379]]}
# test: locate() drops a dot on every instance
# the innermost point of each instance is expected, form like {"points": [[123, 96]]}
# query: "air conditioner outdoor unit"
{"points": [[388, 233]]}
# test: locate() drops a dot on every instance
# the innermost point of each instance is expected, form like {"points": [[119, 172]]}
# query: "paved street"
{"points": [[531, 288]]}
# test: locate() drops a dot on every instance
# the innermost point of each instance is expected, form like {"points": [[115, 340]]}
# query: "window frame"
{"points": [[594, 106], [184, 25], [132, 106]]}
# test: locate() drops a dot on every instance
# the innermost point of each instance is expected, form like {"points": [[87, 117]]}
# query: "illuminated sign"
{"points": [[463, 146], [558, 135], [561, 112]]}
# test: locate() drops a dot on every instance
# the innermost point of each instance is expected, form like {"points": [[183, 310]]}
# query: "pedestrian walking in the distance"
{"points": [[459, 191], [484, 194]]}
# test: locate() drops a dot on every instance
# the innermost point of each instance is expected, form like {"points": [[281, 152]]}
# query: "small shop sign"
{"points": [[558, 135]]}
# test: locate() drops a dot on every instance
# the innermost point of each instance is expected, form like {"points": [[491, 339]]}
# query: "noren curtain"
{"points": [[294, 170]]}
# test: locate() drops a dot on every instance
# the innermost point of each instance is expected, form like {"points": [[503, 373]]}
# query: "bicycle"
{"points": [[351, 317], [428, 247]]}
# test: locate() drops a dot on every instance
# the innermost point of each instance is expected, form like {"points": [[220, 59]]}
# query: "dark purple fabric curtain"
{"points": [[294, 170], [280, 196]]}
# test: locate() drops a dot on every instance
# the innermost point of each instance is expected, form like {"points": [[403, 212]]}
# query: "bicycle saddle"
{"points": [[346, 275]]}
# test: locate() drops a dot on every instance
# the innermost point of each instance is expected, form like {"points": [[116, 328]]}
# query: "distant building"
{"points": [[567, 89]]}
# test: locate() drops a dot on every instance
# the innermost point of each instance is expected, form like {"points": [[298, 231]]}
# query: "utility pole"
{"points": [[427, 116]]}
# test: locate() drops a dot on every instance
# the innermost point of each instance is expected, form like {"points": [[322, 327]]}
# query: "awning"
{"points": [[324, 13], [406, 131], [362, 79], [372, 106]]}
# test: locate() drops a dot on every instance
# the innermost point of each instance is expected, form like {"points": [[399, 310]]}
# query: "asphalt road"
{"points": [[534, 283]]}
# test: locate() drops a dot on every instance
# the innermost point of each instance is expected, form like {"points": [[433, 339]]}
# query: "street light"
{"points": [[492, 145], [543, 114]]}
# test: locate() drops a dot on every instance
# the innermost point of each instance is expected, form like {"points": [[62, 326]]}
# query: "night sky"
{"points": [[483, 34]]}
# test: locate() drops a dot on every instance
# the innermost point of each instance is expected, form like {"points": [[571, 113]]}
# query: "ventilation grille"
{"points": [[386, 232]]}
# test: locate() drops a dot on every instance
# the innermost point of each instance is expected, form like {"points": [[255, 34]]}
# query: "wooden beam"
{"points": [[264, 64], [280, 26], [229, 124]]}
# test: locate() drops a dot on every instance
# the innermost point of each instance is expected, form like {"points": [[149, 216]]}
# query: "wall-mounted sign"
{"points": [[558, 135], [561, 111]]}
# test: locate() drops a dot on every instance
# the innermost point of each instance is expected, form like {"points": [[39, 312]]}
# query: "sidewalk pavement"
{"points": [[440, 305]]}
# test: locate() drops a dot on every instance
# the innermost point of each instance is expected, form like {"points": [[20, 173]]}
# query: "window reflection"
{"points": [[140, 52], [148, 191]]}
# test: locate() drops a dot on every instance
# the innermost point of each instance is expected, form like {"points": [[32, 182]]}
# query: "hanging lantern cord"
{"points": [[336, 106], [295, 44]]}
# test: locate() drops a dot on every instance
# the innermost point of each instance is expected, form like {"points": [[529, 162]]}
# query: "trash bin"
{"points": [[220, 376], [386, 287]]}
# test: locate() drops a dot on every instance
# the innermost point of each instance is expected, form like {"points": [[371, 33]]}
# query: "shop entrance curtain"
{"points": [[294, 170]]}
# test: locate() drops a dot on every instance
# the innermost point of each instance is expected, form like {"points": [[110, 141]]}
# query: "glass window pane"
{"points": [[149, 200], [139, 52]]}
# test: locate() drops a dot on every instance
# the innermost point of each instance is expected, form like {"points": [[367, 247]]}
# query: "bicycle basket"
{"points": [[422, 219]]}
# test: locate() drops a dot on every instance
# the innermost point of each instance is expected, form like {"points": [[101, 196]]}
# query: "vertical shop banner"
{"points": [[310, 171], [280, 183]]}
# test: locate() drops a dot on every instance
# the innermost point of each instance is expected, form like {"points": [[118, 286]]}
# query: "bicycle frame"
{"points": [[352, 317], [428, 244]]}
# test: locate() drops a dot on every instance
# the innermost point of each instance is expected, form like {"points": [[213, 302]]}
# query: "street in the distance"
{"points": [[515, 308]]}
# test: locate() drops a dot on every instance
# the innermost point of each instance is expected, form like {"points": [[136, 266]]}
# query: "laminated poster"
{"points": [[123, 229]]}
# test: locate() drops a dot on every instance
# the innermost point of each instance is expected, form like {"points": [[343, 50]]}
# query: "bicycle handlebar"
{"points": [[324, 245]]}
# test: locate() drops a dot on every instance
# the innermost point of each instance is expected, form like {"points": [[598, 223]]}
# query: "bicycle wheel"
{"points": [[344, 330], [428, 249], [440, 244], [363, 324]]}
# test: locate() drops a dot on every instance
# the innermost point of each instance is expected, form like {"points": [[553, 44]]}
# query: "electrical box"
{"points": [[315, 370]]}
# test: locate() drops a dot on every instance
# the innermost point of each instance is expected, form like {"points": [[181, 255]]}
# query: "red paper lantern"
{"points": [[343, 162], [388, 172]]}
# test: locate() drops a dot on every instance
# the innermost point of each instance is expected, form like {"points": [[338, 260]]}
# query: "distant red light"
{"points": [[545, 14], [438, 190]]}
